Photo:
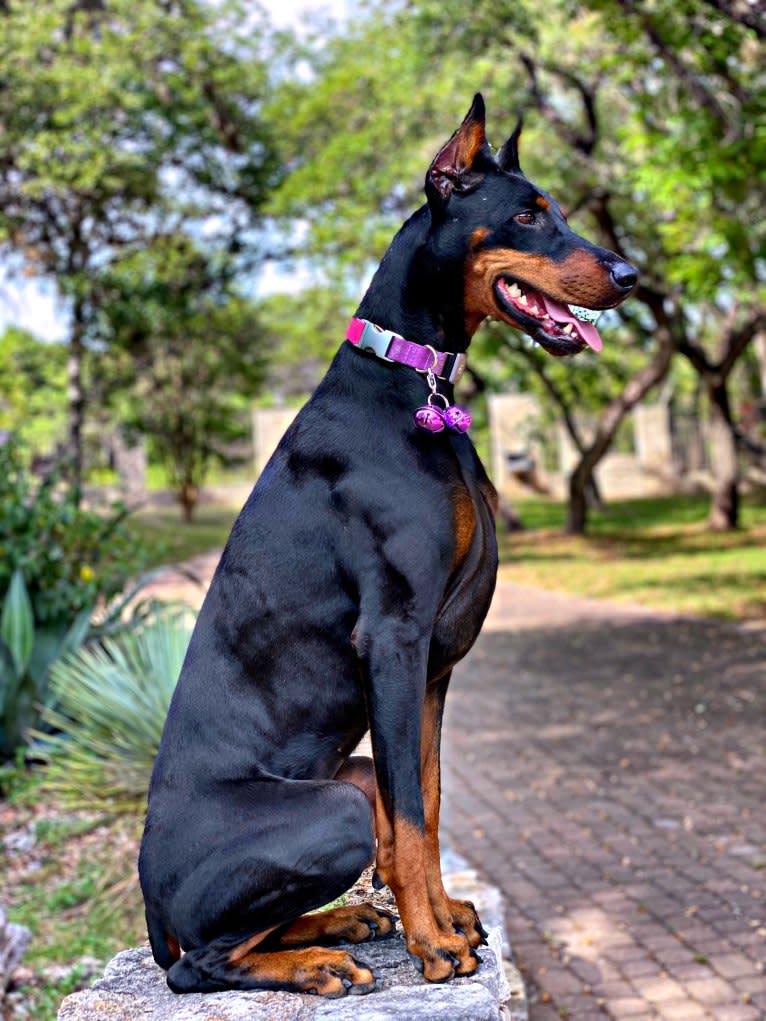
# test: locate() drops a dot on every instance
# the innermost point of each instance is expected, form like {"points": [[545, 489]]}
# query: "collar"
{"points": [[393, 348]]}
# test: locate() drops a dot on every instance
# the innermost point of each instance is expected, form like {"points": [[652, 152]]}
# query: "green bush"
{"points": [[112, 701], [71, 557], [59, 563], [27, 651]]}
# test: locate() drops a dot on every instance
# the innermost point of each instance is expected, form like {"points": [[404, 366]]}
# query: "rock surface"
{"points": [[134, 989], [14, 940]]}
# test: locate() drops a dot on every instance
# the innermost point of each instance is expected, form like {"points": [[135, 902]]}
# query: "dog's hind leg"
{"points": [[221, 966], [273, 851], [355, 923]]}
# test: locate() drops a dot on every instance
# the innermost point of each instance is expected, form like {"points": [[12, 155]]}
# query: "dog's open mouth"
{"points": [[560, 329]]}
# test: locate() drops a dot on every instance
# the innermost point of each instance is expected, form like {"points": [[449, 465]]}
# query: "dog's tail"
{"points": [[166, 949]]}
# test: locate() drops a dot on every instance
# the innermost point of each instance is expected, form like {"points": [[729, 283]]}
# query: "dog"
{"points": [[357, 575]]}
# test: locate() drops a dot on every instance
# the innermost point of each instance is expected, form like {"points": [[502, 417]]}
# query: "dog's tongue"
{"points": [[561, 314]]}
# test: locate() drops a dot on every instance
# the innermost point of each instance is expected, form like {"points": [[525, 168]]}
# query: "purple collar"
{"points": [[393, 348]]}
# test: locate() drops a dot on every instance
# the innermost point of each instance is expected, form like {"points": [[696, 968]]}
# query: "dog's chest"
{"points": [[468, 596]]}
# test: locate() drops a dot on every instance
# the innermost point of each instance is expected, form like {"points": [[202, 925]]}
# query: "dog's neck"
{"points": [[410, 297]]}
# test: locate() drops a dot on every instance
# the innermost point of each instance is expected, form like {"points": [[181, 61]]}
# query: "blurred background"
{"points": [[193, 196]]}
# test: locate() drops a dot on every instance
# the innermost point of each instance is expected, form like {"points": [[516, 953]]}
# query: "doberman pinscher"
{"points": [[357, 575]]}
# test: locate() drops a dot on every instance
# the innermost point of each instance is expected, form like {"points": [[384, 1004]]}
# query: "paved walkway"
{"points": [[606, 767]]}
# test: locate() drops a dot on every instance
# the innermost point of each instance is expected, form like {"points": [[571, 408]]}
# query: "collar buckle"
{"points": [[376, 339]]}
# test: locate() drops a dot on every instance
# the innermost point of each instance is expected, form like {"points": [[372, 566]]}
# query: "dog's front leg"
{"points": [[450, 914], [394, 658]]}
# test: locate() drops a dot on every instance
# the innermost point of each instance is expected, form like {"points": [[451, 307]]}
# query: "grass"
{"points": [[171, 540], [656, 552], [72, 884]]}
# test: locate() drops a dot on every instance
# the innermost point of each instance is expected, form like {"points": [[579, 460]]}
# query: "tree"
{"points": [[695, 118], [642, 123], [186, 356], [32, 389], [124, 121]]}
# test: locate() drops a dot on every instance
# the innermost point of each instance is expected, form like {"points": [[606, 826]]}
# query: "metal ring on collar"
{"points": [[434, 363]]}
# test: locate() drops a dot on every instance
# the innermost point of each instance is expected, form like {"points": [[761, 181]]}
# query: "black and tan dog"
{"points": [[357, 575]]}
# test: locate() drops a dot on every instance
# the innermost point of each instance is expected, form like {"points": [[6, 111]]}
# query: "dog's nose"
{"points": [[624, 275]]}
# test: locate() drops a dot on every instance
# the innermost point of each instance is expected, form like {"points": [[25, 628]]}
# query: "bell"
{"points": [[429, 418], [457, 419]]}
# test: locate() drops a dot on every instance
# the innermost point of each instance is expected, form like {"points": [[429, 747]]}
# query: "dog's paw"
{"points": [[355, 923], [467, 922], [332, 973], [442, 957]]}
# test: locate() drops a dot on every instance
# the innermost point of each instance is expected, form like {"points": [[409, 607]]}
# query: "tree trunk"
{"points": [[188, 497], [76, 396], [759, 345], [635, 390], [724, 509]]}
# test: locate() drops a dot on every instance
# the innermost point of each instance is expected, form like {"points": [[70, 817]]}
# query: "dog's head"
{"points": [[522, 262]]}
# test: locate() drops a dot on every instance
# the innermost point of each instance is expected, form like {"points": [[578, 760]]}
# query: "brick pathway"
{"points": [[606, 768]]}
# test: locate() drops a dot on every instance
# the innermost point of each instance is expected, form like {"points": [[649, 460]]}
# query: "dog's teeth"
{"points": [[523, 299], [569, 328], [587, 315], [534, 309], [515, 291]]}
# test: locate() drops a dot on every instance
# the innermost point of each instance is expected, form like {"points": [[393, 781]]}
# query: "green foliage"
{"points": [[110, 112], [70, 557], [124, 124], [655, 552], [32, 388], [112, 702], [27, 652], [58, 562], [157, 528], [192, 357]]}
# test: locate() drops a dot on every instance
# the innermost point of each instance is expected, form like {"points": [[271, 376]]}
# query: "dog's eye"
{"points": [[526, 218]]}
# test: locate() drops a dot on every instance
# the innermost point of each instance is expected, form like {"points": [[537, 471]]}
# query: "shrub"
{"points": [[26, 654], [71, 557], [58, 563], [112, 701]]}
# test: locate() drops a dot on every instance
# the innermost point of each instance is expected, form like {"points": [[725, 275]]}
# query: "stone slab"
{"points": [[133, 987]]}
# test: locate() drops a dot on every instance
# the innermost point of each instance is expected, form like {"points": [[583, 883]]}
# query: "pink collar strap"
{"points": [[393, 348]]}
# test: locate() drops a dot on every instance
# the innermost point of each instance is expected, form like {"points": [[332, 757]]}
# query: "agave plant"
{"points": [[27, 650], [111, 701]]}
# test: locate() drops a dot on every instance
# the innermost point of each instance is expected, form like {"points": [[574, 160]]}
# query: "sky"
{"points": [[33, 303]]}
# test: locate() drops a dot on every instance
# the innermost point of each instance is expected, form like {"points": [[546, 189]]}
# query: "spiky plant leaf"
{"points": [[17, 624], [112, 700]]}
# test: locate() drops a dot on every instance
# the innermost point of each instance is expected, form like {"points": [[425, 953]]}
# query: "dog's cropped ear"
{"points": [[508, 157], [457, 165]]}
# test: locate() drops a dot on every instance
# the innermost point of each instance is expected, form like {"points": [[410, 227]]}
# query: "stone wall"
{"points": [[516, 427]]}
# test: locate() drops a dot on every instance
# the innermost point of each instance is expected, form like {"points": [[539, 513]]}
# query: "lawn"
{"points": [[70, 878], [171, 540], [655, 552]]}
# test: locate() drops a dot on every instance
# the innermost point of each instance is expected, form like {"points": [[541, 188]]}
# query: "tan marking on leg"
{"points": [[447, 912], [355, 923], [244, 948], [311, 970]]}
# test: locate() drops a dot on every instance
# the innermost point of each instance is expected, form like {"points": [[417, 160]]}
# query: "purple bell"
{"points": [[429, 418], [457, 419]]}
